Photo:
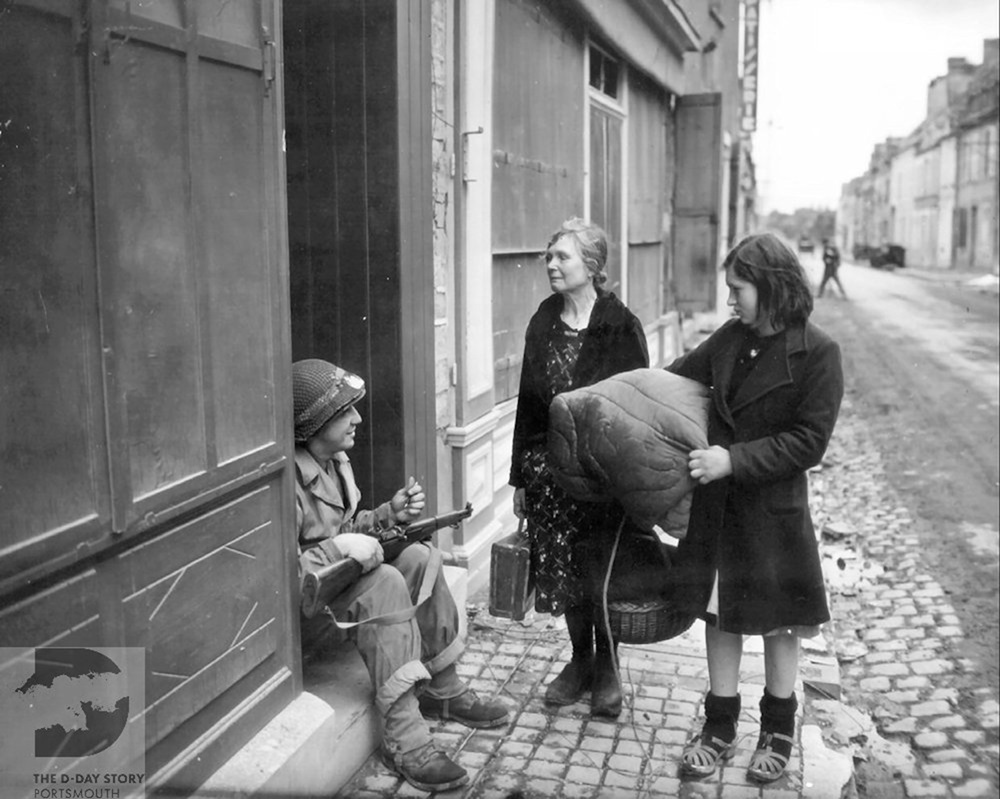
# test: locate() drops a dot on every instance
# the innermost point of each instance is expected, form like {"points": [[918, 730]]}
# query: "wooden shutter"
{"points": [[650, 180], [538, 95], [697, 201]]}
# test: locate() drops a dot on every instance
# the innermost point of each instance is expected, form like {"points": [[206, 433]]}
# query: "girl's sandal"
{"points": [[769, 761], [702, 755]]}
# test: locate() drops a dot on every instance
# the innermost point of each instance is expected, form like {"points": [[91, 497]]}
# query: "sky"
{"points": [[839, 76]]}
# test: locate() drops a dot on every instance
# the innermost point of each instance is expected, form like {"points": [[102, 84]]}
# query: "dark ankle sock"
{"points": [[721, 715], [580, 624], [778, 715]]}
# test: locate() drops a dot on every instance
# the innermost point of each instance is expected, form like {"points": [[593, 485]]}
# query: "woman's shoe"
{"points": [[774, 747], [717, 741], [572, 682]]}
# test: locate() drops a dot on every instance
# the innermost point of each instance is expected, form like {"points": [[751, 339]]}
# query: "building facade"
{"points": [[935, 191], [222, 187], [975, 242], [637, 135]]}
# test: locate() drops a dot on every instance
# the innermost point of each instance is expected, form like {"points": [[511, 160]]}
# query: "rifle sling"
{"points": [[434, 564]]}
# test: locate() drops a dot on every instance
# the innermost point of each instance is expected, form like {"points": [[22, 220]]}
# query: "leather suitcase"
{"points": [[512, 594]]}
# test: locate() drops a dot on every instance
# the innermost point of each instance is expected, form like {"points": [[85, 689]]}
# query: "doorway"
{"points": [[347, 287]]}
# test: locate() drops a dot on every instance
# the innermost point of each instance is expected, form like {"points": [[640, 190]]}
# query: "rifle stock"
{"points": [[321, 587]]}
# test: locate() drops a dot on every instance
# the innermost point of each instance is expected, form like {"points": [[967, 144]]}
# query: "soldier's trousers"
{"points": [[404, 621]]}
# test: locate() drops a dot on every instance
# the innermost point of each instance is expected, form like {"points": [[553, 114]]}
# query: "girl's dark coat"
{"points": [[755, 526], [614, 342]]}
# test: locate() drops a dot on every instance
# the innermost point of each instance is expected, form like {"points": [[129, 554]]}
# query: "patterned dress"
{"points": [[558, 525]]}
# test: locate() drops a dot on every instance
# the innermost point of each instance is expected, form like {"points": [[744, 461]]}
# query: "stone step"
{"points": [[317, 743]]}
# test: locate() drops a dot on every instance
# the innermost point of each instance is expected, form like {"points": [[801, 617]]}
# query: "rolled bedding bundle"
{"points": [[627, 438]]}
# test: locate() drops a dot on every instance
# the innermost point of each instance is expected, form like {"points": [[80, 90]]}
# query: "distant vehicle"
{"points": [[888, 256], [806, 244], [862, 252]]}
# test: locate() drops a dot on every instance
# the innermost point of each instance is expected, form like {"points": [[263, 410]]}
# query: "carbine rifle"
{"points": [[319, 588]]}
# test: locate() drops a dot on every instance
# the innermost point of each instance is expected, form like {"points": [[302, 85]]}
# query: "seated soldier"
{"points": [[405, 623]]}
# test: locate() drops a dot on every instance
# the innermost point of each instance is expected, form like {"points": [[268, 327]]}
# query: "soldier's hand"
{"points": [[408, 503], [365, 549]]}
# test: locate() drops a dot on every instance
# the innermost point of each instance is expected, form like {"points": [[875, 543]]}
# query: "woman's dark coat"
{"points": [[614, 342], [755, 526]]}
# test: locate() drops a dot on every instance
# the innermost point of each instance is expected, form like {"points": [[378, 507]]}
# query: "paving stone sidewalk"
{"points": [[565, 753], [898, 719]]}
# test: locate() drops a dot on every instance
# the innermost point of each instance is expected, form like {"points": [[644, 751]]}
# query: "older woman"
{"points": [[578, 336]]}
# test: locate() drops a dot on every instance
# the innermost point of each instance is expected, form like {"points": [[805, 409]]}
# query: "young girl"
{"points": [[751, 552]]}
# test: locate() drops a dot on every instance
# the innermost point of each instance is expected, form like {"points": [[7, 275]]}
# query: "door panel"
{"points": [[204, 606], [68, 614], [519, 283], [150, 264], [538, 158], [538, 163], [239, 298], [53, 460], [237, 21], [169, 12]]}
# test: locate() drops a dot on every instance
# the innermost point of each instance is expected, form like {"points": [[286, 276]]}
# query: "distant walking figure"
{"points": [[831, 263]]}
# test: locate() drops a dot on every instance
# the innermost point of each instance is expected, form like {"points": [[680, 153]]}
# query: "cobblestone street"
{"points": [[920, 724]]}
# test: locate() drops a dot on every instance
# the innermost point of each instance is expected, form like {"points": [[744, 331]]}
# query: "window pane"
{"points": [[610, 78]]}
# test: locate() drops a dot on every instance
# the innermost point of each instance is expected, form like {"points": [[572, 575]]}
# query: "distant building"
{"points": [[975, 244], [935, 191]]}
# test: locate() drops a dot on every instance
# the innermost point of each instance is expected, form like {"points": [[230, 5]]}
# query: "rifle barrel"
{"points": [[432, 523]]}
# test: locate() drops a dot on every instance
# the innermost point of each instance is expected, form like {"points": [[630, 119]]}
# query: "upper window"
{"points": [[604, 72]]}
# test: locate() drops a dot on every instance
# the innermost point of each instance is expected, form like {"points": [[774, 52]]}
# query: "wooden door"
{"points": [[147, 405], [697, 201], [360, 209]]}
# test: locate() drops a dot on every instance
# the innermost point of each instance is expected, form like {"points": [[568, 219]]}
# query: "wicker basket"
{"points": [[646, 621]]}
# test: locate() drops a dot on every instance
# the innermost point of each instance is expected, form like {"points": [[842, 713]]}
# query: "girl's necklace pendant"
{"points": [[754, 352]]}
